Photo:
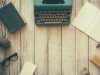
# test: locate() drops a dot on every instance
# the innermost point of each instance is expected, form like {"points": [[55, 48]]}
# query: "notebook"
{"points": [[11, 18], [88, 21]]}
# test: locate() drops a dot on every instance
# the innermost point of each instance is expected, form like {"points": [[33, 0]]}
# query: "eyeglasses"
{"points": [[6, 62]]}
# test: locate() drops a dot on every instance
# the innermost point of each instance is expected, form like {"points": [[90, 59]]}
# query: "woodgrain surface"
{"points": [[56, 50], [81, 43]]}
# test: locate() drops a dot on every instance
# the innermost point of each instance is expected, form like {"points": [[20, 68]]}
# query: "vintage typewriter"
{"points": [[52, 12]]}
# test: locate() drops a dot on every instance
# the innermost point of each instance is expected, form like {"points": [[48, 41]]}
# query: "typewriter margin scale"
{"points": [[40, 8]]}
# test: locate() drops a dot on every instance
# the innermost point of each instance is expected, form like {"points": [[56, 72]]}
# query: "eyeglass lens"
{"points": [[6, 63], [14, 58]]}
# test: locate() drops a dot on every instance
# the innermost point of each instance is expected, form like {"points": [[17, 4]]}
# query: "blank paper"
{"points": [[88, 21], [28, 69]]}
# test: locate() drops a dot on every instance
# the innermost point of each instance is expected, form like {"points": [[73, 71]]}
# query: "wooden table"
{"points": [[56, 50]]}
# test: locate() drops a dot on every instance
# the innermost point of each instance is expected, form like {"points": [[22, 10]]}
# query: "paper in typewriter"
{"points": [[88, 21]]}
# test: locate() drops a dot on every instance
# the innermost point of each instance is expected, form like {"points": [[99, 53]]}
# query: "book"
{"points": [[11, 18], [88, 21]]}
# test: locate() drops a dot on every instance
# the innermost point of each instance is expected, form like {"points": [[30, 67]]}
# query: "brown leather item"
{"points": [[4, 43], [87, 74]]}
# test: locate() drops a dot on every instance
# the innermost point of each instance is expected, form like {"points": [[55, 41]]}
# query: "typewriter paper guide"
{"points": [[87, 21]]}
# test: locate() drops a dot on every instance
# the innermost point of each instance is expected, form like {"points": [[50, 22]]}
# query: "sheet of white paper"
{"points": [[94, 29], [85, 17], [28, 69]]}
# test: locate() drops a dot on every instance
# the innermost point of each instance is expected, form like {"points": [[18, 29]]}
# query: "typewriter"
{"points": [[52, 12]]}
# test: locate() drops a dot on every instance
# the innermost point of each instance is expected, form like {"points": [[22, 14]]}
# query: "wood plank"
{"points": [[93, 69], [68, 47], [41, 50], [27, 32], [54, 50], [2, 50], [3, 2], [81, 43], [14, 67]]}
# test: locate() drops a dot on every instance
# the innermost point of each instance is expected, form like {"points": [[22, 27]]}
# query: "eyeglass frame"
{"points": [[8, 59]]}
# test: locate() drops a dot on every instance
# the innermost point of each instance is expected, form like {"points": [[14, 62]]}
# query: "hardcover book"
{"points": [[11, 18], [88, 21]]}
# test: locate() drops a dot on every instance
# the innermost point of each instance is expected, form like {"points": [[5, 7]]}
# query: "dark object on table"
{"points": [[87, 74], [6, 62], [11, 18], [98, 45], [4, 43]]}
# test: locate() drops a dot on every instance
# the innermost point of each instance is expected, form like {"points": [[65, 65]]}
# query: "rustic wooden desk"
{"points": [[56, 50]]}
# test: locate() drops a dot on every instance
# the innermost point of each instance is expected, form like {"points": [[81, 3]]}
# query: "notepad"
{"points": [[88, 21], [11, 18], [28, 69]]}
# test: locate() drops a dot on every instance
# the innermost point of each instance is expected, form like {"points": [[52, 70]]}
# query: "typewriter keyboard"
{"points": [[53, 17]]}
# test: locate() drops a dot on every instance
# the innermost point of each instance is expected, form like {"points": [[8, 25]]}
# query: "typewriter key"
{"points": [[67, 20], [64, 20], [41, 19], [51, 19], [61, 19], [56, 19], [42, 16], [60, 16], [36, 13], [47, 16], [40, 11], [48, 19], [69, 11], [53, 11], [37, 17], [38, 20], [68, 15], [55, 16], [65, 16], [61, 11]]}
